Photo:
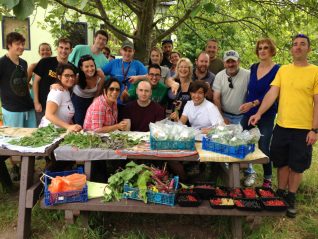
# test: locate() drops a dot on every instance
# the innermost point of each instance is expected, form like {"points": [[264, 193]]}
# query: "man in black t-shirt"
{"points": [[45, 76]]}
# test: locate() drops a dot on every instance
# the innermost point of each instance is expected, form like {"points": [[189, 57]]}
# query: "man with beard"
{"points": [[201, 72], [216, 64], [167, 46], [95, 50]]}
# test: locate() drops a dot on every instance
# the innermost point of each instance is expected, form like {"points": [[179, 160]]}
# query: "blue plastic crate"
{"points": [[153, 197], [170, 144], [63, 197], [239, 151]]}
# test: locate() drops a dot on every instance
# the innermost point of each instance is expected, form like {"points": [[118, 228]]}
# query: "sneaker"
{"points": [[291, 210], [267, 183], [15, 173], [250, 180]]}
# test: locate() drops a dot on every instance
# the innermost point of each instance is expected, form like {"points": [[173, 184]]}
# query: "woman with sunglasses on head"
{"points": [[59, 108], [101, 116], [89, 85], [156, 57], [262, 74]]}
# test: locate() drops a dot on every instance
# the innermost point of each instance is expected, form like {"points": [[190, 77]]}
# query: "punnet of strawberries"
{"points": [[266, 193], [249, 192], [274, 203]]}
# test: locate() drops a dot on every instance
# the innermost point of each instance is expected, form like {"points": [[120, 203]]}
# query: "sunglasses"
{"points": [[114, 89], [263, 48], [230, 82]]}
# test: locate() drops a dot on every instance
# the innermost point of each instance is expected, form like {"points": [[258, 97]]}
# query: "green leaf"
{"points": [[83, 4], [195, 11], [9, 3], [24, 9], [209, 7], [72, 2], [43, 3]]}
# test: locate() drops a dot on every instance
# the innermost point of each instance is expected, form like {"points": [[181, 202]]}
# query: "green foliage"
{"points": [[82, 140]]}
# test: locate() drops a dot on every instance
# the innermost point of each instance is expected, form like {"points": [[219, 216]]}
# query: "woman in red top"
{"points": [[101, 116]]}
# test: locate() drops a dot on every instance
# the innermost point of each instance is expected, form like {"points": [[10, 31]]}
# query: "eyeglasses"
{"points": [[68, 76], [154, 75], [230, 82], [114, 89], [263, 48]]}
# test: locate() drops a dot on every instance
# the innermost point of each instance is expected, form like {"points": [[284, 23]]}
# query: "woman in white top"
{"points": [[201, 113], [89, 86], [59, 108]]}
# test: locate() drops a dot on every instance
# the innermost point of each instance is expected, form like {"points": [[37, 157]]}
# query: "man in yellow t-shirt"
{"points": [[296, 87]]}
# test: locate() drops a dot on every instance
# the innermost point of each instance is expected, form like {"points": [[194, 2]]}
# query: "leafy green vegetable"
{"points": [[142, 181], [40, 137], [82, 140], [119, 141]]}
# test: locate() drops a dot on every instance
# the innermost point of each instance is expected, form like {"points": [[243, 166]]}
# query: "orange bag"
{"points": [[71, 182]]}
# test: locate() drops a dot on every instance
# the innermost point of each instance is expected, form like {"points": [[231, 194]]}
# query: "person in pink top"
{"points": [[101, 115]]}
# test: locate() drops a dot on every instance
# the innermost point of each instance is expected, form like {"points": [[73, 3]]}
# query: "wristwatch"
{"points": [[314, 130]]}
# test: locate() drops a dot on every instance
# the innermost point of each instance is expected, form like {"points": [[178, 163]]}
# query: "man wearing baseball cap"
{"points": [[126, 68]]}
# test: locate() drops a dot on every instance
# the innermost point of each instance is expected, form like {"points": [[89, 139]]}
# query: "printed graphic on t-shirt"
{"points": [[18, 81]]}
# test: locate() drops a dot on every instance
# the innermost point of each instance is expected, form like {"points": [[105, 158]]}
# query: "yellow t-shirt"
{"points": [[298, 85]]}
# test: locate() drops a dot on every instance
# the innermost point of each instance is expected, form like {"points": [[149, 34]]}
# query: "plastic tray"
{"points": [[239, 151], [63, 197], [216, 206], [249, 204], [152, 197], [259, 189], [218, 190], [168, 144], [236, 193], [204, 193], [273, 208], [248, 196], [184, 202]]}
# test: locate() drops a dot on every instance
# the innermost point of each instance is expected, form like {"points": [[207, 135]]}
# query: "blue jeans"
{"points": [[234, 119], [265, 125]]}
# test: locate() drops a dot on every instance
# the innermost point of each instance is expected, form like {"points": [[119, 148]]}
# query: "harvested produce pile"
{"points": [[141, 176], [89, 140], [40, 137]]}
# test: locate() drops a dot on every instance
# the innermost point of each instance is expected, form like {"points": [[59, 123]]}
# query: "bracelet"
{"points": [[254, 103]]}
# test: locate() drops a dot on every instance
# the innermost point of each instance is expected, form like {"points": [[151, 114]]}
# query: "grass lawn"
{"points": [[50, 224]]}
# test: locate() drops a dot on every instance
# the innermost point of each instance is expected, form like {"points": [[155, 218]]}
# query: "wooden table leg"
{"points": [[234, 181], [24, 220]]}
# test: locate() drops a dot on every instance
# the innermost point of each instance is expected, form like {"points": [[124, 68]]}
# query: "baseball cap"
{"points": [[166, 41], [231, 54], [127, 43]]}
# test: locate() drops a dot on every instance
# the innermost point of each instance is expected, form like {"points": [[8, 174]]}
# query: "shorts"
{"points": [[289, 148], [24, 119]]}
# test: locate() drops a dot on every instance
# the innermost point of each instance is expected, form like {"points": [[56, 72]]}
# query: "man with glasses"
{"points": [[215, 64], [95, 50], [201, 72], [45, 76], [296, 88], [143, 110], [230, 87], [159, 90]]}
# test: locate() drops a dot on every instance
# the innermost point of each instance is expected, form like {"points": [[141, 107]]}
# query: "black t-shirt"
{"points": [[141, 117], [46, 69], [15, 95]]}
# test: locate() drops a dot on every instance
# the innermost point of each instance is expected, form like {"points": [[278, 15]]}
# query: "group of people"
{"points": [[80, 89]]}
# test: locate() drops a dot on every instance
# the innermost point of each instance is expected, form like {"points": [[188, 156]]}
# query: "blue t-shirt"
{"points": [[257, 89], [119, 69]]}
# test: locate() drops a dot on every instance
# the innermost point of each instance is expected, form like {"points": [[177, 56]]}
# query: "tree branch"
{"points": [[132, 6], [179, 22]]}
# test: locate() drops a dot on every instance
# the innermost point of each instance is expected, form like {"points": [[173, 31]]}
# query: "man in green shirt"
{"points": [[159, 90], [216, 64]]}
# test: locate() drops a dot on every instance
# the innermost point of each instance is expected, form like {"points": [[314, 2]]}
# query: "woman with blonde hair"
{"points": [[156, 57]]}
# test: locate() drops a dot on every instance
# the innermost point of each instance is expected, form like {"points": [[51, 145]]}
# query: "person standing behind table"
{"points": [[45, 76], [174, 58], [17, 106], [216, 64], [101, 115], [184, 78], [143, 110], [89, 86], [167, 47], [201, 72], [125, 69], [296, 88], [158, 89], [262, 75], [45, 50], [60, 109], [95, 50], [156, 57]]}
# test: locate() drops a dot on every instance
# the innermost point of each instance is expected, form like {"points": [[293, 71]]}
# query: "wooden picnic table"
{"points": [[232, 176]]}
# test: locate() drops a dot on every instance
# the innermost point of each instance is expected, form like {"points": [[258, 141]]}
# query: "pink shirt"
{"points": [[100, 114]]}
